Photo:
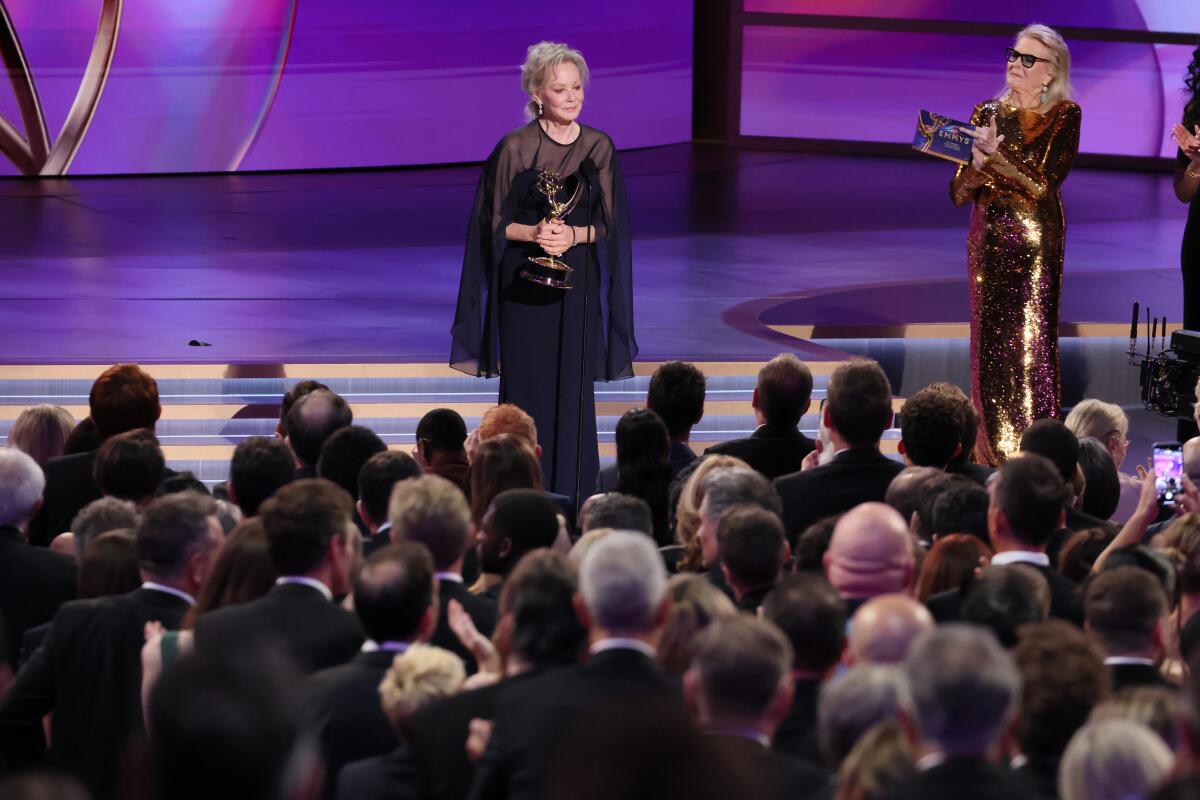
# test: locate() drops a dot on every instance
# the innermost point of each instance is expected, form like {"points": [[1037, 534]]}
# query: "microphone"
{"points": [[1147, 331], [1153, 332], [588, 168], [1133, 331]]}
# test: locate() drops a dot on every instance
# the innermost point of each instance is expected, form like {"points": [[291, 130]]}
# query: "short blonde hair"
{"points": [[41, 431], [687, 512], [1097, 419], [510, 419], [1060, 87], [695, 604], [540, 62], [417, 677], [1113, 759], [882, 758], [434, 512]]}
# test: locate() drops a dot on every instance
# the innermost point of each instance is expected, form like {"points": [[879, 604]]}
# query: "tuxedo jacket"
{"points": [[344, 706], [315, 632], [532, 718], [957, 778], [34, 582], [88, 673], [481, 610], [773, 450], [854, 476], [1065, 602], [797, 734]]}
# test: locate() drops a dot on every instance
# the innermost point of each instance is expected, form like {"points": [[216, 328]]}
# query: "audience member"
{"points": [[395, 599], [518, 521], [883, 629], [931, 491], [110, 565], [344, 454], [123, 398], [1053, 440], [963, 463], [1113, 760], [960, 508], [1101, 484], [507, 418], [259, 468], [951, 562], [88, 670], [882, 758], [871, 553], [724, 489], [1108, 423], [623, 602], [643, 466], [752, 551], [1124, 610], [931, 426], [676, 394], [781, 398], [501, 463], [616, 511], [1026, 509], [963, 694], [130, 466], [441, 445], [83, 438], [739, 688], [811, 546], [309, 533], [1181, 541], [1080, 551], [852, 703], [1154, 561], [41, 432], [807, 609], [432, 511], [905, 491], [695, 604], [289, 400], [1062, 680], [376, 480], [687, 509], [313, 418], [1159, 708], [1003, 598], [858, 409]]}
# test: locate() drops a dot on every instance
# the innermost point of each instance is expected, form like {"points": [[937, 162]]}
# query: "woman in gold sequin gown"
{"points": [[1025, 143]]}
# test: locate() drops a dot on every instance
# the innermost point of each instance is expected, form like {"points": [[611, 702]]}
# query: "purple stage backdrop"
{"points": [[867, 85], [298, 84]]}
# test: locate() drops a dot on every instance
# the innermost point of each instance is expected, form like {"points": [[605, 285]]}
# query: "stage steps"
{"points": [[209, 409]]}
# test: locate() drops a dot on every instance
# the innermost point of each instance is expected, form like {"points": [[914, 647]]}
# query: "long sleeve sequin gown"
{"points": [[1014, 267]]}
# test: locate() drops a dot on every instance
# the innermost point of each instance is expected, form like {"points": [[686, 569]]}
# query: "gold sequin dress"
{"points": [[1014, 267]]}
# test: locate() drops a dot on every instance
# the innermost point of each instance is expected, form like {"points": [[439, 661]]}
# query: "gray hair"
{"points": [[741, 662], [853, 703], [1060, 87], [1097, 419], [620, 512], [623, 582], [101, 516], [1111, 760], [725, 488], [173, 528], [21, 485], [540, 61], [964, 688]]}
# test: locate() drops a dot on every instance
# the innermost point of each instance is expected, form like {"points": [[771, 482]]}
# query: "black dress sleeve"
{"points": [[615, 253]]}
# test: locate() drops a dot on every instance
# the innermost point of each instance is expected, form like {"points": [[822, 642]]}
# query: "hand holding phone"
{"points": [[1168, 466]]}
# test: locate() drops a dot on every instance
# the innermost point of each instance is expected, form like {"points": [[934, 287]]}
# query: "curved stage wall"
{"points": [[224, 85], [859, 70]]}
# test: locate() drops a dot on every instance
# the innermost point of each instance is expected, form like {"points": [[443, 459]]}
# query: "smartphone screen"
{"points": [[1168, 467]]}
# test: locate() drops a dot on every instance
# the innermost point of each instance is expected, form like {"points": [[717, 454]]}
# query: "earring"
{"points": [[539, 102], [1045, 92]]}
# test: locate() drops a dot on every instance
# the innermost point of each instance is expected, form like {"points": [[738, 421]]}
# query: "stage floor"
{"points": [[737, 255]]}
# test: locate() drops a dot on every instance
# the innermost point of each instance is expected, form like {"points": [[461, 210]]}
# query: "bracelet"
{"points": [[1190, 174]]}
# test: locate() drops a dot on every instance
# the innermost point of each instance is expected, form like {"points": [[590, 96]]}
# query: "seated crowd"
{"points": [[780, 617]]}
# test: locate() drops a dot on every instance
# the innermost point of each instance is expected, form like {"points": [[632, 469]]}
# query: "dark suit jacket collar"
{"points": [[769, 431], [620, 659], [153, 597], [380, 659], [296, 591], [10, 534], [860, 455]]}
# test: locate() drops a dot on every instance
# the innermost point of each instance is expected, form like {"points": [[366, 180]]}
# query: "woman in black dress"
{"points": [[548, 344], [1187, 184]]}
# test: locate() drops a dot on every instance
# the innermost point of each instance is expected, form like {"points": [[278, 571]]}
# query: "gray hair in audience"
{"points": [[725, 488], [1111, 760], [173, 528], [853, 703], [623, 582], [101, 516], [622, 512], [964, 688], [21, 485]]}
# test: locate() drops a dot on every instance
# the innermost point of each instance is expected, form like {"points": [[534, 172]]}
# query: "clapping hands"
{"points": [[987, 139], [1188, 141]]}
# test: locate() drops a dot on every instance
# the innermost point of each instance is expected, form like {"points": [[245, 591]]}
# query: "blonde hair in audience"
{"points": [[1156, 707], [687, 513], [695, 604], [41, 431], [1113, 759], [418, 676], [882, 758]]}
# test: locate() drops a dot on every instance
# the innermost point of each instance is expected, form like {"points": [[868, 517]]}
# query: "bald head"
{"points": [[883, 629], [1191, 458], [871, 553]]}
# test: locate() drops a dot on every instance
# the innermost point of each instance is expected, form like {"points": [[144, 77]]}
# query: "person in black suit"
{"points": [[312, 419], [123, 398], [34, 582], [753, 551], [1026, 509], [739, 687], [441, 446], [259, 467], [433, 511], [930, 429], [543, 633], [130, 466], [375, 482], [310, 534], [1125, 611], [812, 616], [395, 599], [623, 602], [725, 488], [88, 670], [781, 398], [517, 522], [964, 692], [962, 463], [1005, 598], [858, 409], [1055, 441]]}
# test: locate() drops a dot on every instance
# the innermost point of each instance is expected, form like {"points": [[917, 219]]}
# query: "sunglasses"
{"points": [[1026, 59]]}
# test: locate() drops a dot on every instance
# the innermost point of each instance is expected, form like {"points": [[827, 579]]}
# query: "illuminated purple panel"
{"points": [[868, 86], [366, 82], [1154, 15]]}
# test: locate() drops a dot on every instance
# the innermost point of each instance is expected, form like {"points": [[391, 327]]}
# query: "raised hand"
{"points": [[987, 139], [1188, 142]]}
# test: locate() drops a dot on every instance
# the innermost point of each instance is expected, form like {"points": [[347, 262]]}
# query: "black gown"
{"points": [[537, 338], [1190, 257]]}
